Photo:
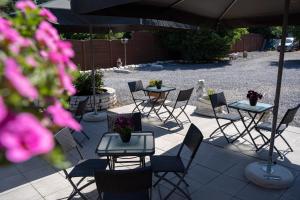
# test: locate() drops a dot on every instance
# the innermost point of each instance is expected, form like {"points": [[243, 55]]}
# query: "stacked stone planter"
{"points": [[104, 100]]}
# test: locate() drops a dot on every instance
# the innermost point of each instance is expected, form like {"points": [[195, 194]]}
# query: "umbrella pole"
{"points": [[93, 67], [268, 174], [278, 86]]}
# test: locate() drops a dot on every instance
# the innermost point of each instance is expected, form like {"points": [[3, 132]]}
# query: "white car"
{"points": [[290, 44]]}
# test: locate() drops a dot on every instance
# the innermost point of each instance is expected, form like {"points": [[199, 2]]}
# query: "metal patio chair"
{"points": [[137, 121], [218, 100], [135, 87], [183, 99], [83, 168], [284, 123], [132, 184], [173, 164], [78, 115]]}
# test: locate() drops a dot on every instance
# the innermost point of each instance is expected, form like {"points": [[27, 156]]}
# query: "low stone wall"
{"points": [[103, 101]]}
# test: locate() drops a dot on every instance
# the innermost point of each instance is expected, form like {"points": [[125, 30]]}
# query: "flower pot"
{"points": [[125, 136], [253, 101], [158, 87]]}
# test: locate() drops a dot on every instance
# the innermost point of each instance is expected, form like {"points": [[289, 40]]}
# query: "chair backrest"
{"points": [[124, 181], [185, 95], [135, 86], [192, 141], [80, 110], [66, 141], [136, 118], [289, 115], [218, 100]]}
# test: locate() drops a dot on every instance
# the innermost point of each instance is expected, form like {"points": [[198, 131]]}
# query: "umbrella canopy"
{"points": [[205, 12], [68, 21]]}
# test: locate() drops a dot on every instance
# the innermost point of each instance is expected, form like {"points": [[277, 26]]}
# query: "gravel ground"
{"points": [[257, 72]]}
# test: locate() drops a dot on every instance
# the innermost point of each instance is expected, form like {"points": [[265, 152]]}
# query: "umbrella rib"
{"points": [[175, 3], [226, 11]]}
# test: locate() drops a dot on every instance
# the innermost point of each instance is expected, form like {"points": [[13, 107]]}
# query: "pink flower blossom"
{"points": [[61, 117], [31, 61], [22, 136], [48, 15], [71, 65], [13, 73], [65, 80], [23, 5], [47, 35], [3, 110]]}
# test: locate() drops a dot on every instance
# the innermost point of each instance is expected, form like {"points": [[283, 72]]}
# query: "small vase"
{"points": [[158, 87], [253, 101], [125, 136]]}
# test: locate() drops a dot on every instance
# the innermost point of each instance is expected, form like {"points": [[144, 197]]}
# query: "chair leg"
{"points": [[186, 184], [79, 144], [224, 125], [159, 178], [84, 133], [176, 187], [286, 142]]}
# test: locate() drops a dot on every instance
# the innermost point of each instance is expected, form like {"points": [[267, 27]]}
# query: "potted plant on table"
{"points": [[253, 97], [124, 126], [158, 85]]}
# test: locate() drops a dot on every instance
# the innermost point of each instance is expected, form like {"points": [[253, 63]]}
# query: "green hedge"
{"points": [[201, 45]]}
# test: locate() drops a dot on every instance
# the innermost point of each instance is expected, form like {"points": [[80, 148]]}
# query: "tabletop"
{"points": [[140, 144], [245, 106], [162, 89]]}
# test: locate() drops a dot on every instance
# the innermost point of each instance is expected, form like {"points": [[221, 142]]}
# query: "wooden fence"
{"points": [[143, 47]]}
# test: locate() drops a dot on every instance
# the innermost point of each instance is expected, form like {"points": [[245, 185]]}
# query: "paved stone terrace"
{"points": [[217, 172]]}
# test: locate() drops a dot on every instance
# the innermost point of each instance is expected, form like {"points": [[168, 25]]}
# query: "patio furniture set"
{"points": [[137, 183], [130, 183]]}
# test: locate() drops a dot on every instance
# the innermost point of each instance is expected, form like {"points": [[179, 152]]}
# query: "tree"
{"points": [[268, 32]]}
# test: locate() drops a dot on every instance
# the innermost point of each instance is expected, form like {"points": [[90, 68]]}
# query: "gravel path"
{"points": [[257, 72]]}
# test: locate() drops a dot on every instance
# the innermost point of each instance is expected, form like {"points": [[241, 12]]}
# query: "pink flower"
{"points": [[31, 61], [23, 5], [61, 117], [22, 136], [3, 110], [71, 65], [13, 73], [65, 80], [48, 15]]}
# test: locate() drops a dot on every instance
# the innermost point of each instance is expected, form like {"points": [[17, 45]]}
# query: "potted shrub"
{"points": [[253, 97]]}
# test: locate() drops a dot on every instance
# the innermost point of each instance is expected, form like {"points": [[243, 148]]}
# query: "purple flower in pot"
{"points": [[253, 97]]}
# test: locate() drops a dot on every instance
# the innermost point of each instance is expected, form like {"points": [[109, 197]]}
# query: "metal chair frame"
{"points": [[67, 142], [111, 116], [221, 101], [80, 112], [193, 145], [285, 121], [137, 86], [124, 181], [183, 96]]}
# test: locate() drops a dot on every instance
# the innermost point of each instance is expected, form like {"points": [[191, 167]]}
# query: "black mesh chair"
{"points": [[284, 123], [83, 168], [217, 101], [135, 87], [78, 115], [137, 122], [181, 103], [133, 184], [174, 164]]}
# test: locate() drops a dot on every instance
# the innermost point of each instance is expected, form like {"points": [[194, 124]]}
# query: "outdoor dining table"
{"points": [[159, 99], [253, 112], [141, 144]]}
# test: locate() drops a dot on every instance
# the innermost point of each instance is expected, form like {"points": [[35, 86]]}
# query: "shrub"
{"points": [[84, 83], [205, 44]]}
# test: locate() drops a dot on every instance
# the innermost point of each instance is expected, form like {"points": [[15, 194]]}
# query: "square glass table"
{"points": [[141, 144], [253, 111], [160, 99]]}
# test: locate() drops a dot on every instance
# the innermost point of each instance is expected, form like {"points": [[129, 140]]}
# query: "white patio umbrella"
{"points": [[234, 13]]}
